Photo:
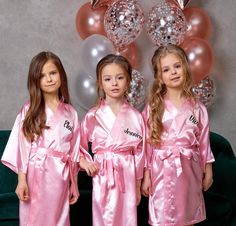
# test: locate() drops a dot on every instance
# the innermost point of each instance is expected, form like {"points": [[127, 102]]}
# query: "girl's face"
{"points": [[114, 81], [50, 80], [172, 71]]}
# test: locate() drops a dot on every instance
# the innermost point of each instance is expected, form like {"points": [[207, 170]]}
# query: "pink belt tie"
{"points": [[176, 151]]}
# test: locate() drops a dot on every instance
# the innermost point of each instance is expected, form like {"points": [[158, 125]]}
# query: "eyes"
{"points": [[167, 69], [51, 73], [108, 78]]}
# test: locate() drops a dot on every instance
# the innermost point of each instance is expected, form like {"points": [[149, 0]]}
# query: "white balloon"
{"points": [[93, 49]]}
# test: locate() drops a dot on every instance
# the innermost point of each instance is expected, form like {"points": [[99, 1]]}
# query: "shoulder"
{"points": [[25, 107], [133, 112]]}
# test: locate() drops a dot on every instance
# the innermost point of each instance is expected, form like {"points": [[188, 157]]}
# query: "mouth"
{"points": [[49, 85], [115, 90], [175, 78]]}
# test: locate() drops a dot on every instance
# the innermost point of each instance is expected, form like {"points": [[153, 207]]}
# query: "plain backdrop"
{"points": [[28, 27]]}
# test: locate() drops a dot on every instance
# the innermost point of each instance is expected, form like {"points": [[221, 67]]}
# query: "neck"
{"points": [[51, 99], [115, 104]]}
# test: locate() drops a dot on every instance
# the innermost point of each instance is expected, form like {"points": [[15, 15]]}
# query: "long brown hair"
{"points": [[158, 90], [35, 120], [109, 59]]}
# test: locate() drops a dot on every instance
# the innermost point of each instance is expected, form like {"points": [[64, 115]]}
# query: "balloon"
{"points": [[136, 95], [205, 91], [93, 49], [200, 56], [182, 3], [123, 22], [86, 90], [90, 21], [131, 53], [166, 24], [98, 3], [198, 23]]}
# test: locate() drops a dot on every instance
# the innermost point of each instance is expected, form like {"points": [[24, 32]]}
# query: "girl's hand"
{"points": [[74, 195], [146, 184], [208, 178], [138, 192], [22, 190], [89, 167]]}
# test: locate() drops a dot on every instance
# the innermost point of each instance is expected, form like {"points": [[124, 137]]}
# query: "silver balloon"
{"points": [[136, 95], [123, 22], [166, 24], [93, 49], [205, 91], [86, 90]]}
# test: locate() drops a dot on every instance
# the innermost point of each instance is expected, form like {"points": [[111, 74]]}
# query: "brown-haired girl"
{"points": [[116, 131], [178, 151], [43, 142]]}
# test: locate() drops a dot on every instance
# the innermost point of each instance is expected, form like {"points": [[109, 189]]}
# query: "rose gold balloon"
{"points": [[198, 23], [131, 53], [98, 3], [89, 21], [179, 3], [183, 3], [200, 57]]}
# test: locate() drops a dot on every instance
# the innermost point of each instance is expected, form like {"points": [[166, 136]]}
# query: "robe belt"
{"points": [[111, 164], [177, 151], [42, 153]]}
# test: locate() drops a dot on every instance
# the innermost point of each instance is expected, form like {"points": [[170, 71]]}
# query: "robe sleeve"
{"points": [[17, 150], [86, 128], [139, 153], [148, 146], [204, 137], [75, 144]]}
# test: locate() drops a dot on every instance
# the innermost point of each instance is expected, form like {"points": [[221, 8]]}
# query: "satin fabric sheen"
{"points": [[118, 148], [48, 164], [177, 167]]}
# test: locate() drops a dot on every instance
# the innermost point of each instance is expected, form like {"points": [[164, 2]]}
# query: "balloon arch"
{"points": [[112, 26]]}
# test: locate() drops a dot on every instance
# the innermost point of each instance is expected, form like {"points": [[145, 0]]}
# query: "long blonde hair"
{"points": [[158, 90]]}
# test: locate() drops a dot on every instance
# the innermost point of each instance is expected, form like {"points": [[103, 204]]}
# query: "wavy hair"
{"points": [[111, 59], [35, 119], [158, 90]]}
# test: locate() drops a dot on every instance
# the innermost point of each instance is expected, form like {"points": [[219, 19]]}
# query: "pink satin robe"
{"points": [[48, 164], [118, 147], [177, 167]]}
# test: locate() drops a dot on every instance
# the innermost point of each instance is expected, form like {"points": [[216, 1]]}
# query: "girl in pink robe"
{"points": [[43, 145], [116, 131], [179, 158]]}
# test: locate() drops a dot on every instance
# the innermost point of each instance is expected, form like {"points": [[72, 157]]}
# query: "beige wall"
{"points": [[28, 27]]}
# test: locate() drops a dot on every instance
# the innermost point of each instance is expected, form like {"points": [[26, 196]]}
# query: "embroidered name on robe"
{"points": [[68, 126], [193, 119], [127, 131]]}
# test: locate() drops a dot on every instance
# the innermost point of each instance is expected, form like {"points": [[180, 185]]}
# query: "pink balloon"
{"points": [[89, 21], [131, 52], [98, 3], [198, 23], [200, 57]]}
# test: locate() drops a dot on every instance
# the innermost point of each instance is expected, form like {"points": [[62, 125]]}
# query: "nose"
{"points": [[49, 78], [173, 71], [114, 81]]}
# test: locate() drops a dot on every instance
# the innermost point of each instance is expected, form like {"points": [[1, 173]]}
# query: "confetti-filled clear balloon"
{"points": [[136, 95], [123, 22], [166, 24], [205, 91]]}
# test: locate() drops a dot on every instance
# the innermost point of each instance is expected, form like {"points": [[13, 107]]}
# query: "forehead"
{"points": [[169, 59], [112, 69], [49, 65]]}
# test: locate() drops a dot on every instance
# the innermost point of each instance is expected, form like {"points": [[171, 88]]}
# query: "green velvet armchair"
{"points": [[220, 199]]}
